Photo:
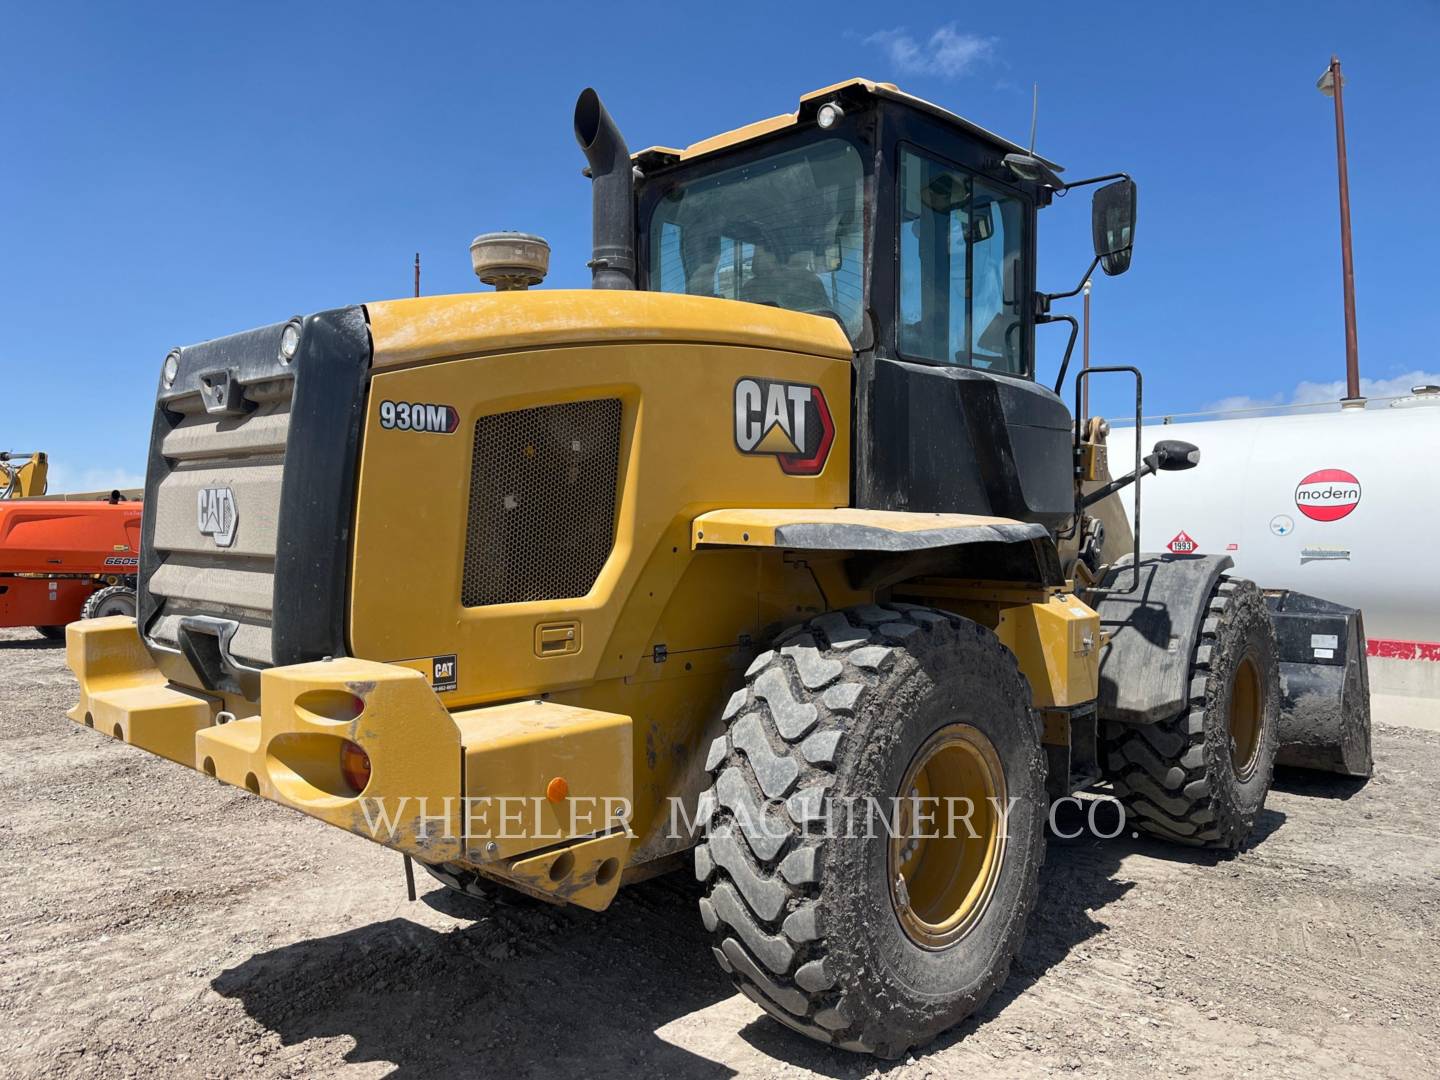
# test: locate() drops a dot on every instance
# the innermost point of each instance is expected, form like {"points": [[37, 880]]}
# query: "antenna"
{"points": [[1034, 113], [417, 273]]}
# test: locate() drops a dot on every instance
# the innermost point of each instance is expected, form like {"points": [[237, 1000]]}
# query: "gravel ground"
{"points": [[155, 922]]}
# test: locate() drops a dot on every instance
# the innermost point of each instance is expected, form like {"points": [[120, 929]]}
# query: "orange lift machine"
{"points": [[62, 558]]}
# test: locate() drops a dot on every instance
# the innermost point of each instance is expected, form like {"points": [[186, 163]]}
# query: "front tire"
{"points": [[1201, 778], [863, 941]]}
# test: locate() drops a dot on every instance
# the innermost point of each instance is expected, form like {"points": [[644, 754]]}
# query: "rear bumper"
{"points": [[473, 787]]}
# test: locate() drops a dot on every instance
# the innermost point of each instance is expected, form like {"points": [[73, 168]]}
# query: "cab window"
{"points": [[962, 277], [786, 230]]}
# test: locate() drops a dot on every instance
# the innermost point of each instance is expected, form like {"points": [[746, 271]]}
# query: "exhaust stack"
{"points": [[612, 185]]}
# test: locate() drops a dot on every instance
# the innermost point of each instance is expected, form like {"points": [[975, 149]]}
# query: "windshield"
{"points": [[786, 230]]}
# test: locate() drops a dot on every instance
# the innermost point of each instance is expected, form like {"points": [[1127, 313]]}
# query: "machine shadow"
{"points": [[36, 642], [518, 990], [1080, 877], [528, 989], [1316, 785]]}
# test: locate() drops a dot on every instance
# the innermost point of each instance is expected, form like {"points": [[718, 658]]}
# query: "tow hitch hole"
{"points": [[209, 766], [606, 871], [119, 732], [252, 784], [561, 867]]}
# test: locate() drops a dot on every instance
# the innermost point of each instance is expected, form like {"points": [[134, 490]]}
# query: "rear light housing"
{"points": [[354, 766]]}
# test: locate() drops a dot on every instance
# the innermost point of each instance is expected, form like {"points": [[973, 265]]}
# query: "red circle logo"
{"points": [[1327, 494]]}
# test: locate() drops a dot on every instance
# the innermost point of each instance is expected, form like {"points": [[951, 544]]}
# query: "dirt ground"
{"points": [[155, 923]]}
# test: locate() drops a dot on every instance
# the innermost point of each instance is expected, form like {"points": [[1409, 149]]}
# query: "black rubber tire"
{"points": [[803, 922], [51, 633], [476, 886], [1177, 779], [107, 601]]}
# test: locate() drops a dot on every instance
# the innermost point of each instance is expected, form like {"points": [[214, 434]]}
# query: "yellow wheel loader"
{"points": [[768, 555]]}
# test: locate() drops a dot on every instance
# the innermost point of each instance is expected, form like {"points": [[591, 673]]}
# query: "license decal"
{"points": [[444, 674], [419, 416], [788, 421]]}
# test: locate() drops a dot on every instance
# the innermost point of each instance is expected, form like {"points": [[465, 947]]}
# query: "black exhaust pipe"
{"points": [[612, 185]]}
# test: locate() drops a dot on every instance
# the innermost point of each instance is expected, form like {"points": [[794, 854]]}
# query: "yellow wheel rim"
{"points": [[1245, 715], [946, 852]]}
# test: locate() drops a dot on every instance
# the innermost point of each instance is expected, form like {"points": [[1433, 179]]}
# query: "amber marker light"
{"points": [[354, 766]]}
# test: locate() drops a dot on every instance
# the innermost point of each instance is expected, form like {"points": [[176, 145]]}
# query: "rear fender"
{"points": [[882, 547]]}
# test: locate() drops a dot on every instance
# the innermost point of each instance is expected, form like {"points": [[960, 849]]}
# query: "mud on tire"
{"points": [[803, 921], [1194, 779]]}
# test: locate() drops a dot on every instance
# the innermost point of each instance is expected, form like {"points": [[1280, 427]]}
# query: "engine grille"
{"points": [[542, 502], [192, 575]]}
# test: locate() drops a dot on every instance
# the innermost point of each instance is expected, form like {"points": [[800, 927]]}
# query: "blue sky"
{"points": [[172, 173]]}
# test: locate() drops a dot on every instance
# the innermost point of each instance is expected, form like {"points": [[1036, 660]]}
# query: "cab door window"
{"points": [[962, 277]]}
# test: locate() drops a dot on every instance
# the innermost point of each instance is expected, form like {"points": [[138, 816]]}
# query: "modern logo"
{"points": [[217, 514], [419, 416], [1328, 494], [789, 421]]}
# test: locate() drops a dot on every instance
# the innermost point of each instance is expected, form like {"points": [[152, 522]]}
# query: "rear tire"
{"points": [[812, 923], [111, 600], [1201, 777]]}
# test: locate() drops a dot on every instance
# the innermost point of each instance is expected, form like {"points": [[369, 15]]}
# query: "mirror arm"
{"points": [[1149, 465], [1048, 297], [1094, 180]]}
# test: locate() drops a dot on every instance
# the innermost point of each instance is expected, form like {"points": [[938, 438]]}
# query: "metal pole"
{"points": [[1085, 356], [417, 273], [1352, 348]]}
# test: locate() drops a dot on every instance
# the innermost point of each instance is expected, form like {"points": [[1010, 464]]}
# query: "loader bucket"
{"points": [[1325, 687]]}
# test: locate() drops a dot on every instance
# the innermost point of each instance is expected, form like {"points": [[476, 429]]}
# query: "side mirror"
{"points": [[1112, 218], [1172, 455]]}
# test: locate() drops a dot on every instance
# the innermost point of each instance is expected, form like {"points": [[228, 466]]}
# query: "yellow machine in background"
{"points": [[22, 476], [548, 588]]}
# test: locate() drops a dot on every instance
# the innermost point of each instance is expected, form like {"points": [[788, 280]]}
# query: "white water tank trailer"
{"points": [[1342, 504]]}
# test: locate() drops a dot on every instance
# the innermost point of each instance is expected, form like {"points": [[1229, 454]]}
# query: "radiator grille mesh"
{"points": [[542, 502]]}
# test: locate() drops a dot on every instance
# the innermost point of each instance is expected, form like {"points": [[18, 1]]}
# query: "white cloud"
{"points": [[948, 52], [1328, 393], [64, 478], [1309, 392]]}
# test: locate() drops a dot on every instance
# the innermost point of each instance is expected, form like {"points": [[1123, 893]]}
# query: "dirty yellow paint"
{"points": [[513, 752], [123, 695], [756, 527], [661, 639], [430, 328], [586, 874]]}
